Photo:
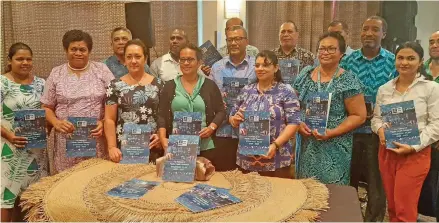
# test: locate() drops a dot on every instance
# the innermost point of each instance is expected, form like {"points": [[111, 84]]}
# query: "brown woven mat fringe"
{"points": [[33, 199], [316, 202]]}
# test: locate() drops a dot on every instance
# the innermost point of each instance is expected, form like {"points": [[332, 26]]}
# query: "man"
{"points": [[240, 65], [374, 66], [288, 49], [116, 63], [342, 28], [167, 67], [429, 198], [432, 64], [251, 50]]}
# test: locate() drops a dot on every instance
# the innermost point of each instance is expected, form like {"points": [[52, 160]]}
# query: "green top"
{"points": [[185, 102], [427, 68]]}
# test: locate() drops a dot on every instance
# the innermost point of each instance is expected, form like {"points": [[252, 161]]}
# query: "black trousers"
{"points": [[225, 153], [365, 163], [429, 198]]}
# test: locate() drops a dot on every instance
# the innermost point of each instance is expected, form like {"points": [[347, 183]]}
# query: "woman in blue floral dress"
{"points": [[133, 98], [19, 167], [328, 157], [269, 94]]}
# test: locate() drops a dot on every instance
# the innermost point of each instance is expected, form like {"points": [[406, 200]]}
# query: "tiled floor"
{"points": [[363, 194]]}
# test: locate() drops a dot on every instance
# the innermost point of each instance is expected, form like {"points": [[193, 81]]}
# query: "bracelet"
{"points": [[276, 144]]}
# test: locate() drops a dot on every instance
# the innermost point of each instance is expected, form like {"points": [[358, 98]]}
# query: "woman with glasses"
{"points": [[132, 98], [192, 92], [75, 89], [328, 156], [269, 93]]}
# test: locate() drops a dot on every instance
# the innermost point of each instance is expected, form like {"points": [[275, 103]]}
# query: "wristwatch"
{"points": [[277, 145], [211, 127]]}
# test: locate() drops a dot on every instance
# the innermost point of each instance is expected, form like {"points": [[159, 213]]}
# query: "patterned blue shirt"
{"points": [[372, 72], [225, 68], [119, 69], [284, 107]]}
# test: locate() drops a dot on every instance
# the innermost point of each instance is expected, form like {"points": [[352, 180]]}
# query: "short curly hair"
{"points": [[76, 36]]}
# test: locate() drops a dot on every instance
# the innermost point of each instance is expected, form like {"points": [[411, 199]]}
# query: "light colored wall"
{"points": [[427, 22]]}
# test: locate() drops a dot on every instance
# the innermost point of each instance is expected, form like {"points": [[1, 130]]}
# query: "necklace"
{"points": [[137, 82], [79, 69]]}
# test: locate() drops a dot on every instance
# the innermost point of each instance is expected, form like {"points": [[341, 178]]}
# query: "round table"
{"points": [[79, 194]]}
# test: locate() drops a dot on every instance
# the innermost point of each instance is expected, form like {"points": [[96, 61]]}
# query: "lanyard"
{"points": [[330, 82]]}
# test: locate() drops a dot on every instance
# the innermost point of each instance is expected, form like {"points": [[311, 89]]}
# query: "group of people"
{"points": [[124, 89]]}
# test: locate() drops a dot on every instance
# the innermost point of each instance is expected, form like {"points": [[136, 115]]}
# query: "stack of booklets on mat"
{"points": [[201, 197]]}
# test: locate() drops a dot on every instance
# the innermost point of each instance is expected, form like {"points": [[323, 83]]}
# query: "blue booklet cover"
{"points": [[232, 88], [80, 143], [135, 143], [317, 111], [31, 123], [181, 166], [254, 133], [132, 189], [204, 197], [210, 53], [187, 123], [401, 124], [289, 69], [366, 127]]}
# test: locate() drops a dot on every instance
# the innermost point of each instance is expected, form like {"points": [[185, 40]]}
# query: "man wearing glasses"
{"points": [[251, 50], [240, 67], [288, 49], [167, 66], [374, 66]]}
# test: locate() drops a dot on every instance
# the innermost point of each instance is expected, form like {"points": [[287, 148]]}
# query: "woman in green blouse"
{"points": [[192, 92]]}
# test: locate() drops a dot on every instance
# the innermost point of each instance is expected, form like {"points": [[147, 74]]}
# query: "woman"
{"points": [[19, 90], [192, 92], [328, 156], [269, 93], [75, 89], [134, 98], [404, 169]]}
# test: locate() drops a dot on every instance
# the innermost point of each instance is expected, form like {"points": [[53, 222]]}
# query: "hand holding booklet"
{"points": [[135, 143], [31, 124], [80, 143], [254, 133], [400, 124], [317, 111]]}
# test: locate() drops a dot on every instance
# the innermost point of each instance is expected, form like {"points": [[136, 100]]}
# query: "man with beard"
{"points": [[374, 66], [167, 66], [237, 65], [288, 49], [116, 63]]}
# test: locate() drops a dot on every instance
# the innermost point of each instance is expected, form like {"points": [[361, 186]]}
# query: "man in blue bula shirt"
{"points": [[238, 65], [374, 66], [116, 63]]}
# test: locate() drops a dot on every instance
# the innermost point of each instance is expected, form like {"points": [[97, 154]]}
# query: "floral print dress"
{"points": [[135, 104], [19, 167]]}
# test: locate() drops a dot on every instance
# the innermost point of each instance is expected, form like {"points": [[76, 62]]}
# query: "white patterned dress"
{"points": [[19, 167]]}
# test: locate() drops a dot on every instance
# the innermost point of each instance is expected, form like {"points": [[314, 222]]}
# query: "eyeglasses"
{"points": [[189, 60], [265, 65], [236, 39], [329, 50]]}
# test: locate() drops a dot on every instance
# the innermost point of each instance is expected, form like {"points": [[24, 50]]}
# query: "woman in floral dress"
{"points": [[75, 89], [19, 90], [133, 98]]}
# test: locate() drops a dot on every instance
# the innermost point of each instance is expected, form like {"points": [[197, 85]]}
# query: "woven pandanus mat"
{"points": [[79, 194]]}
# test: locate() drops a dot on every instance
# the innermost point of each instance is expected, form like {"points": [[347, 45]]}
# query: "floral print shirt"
{"points": [[135, 103], [284, 107]]}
